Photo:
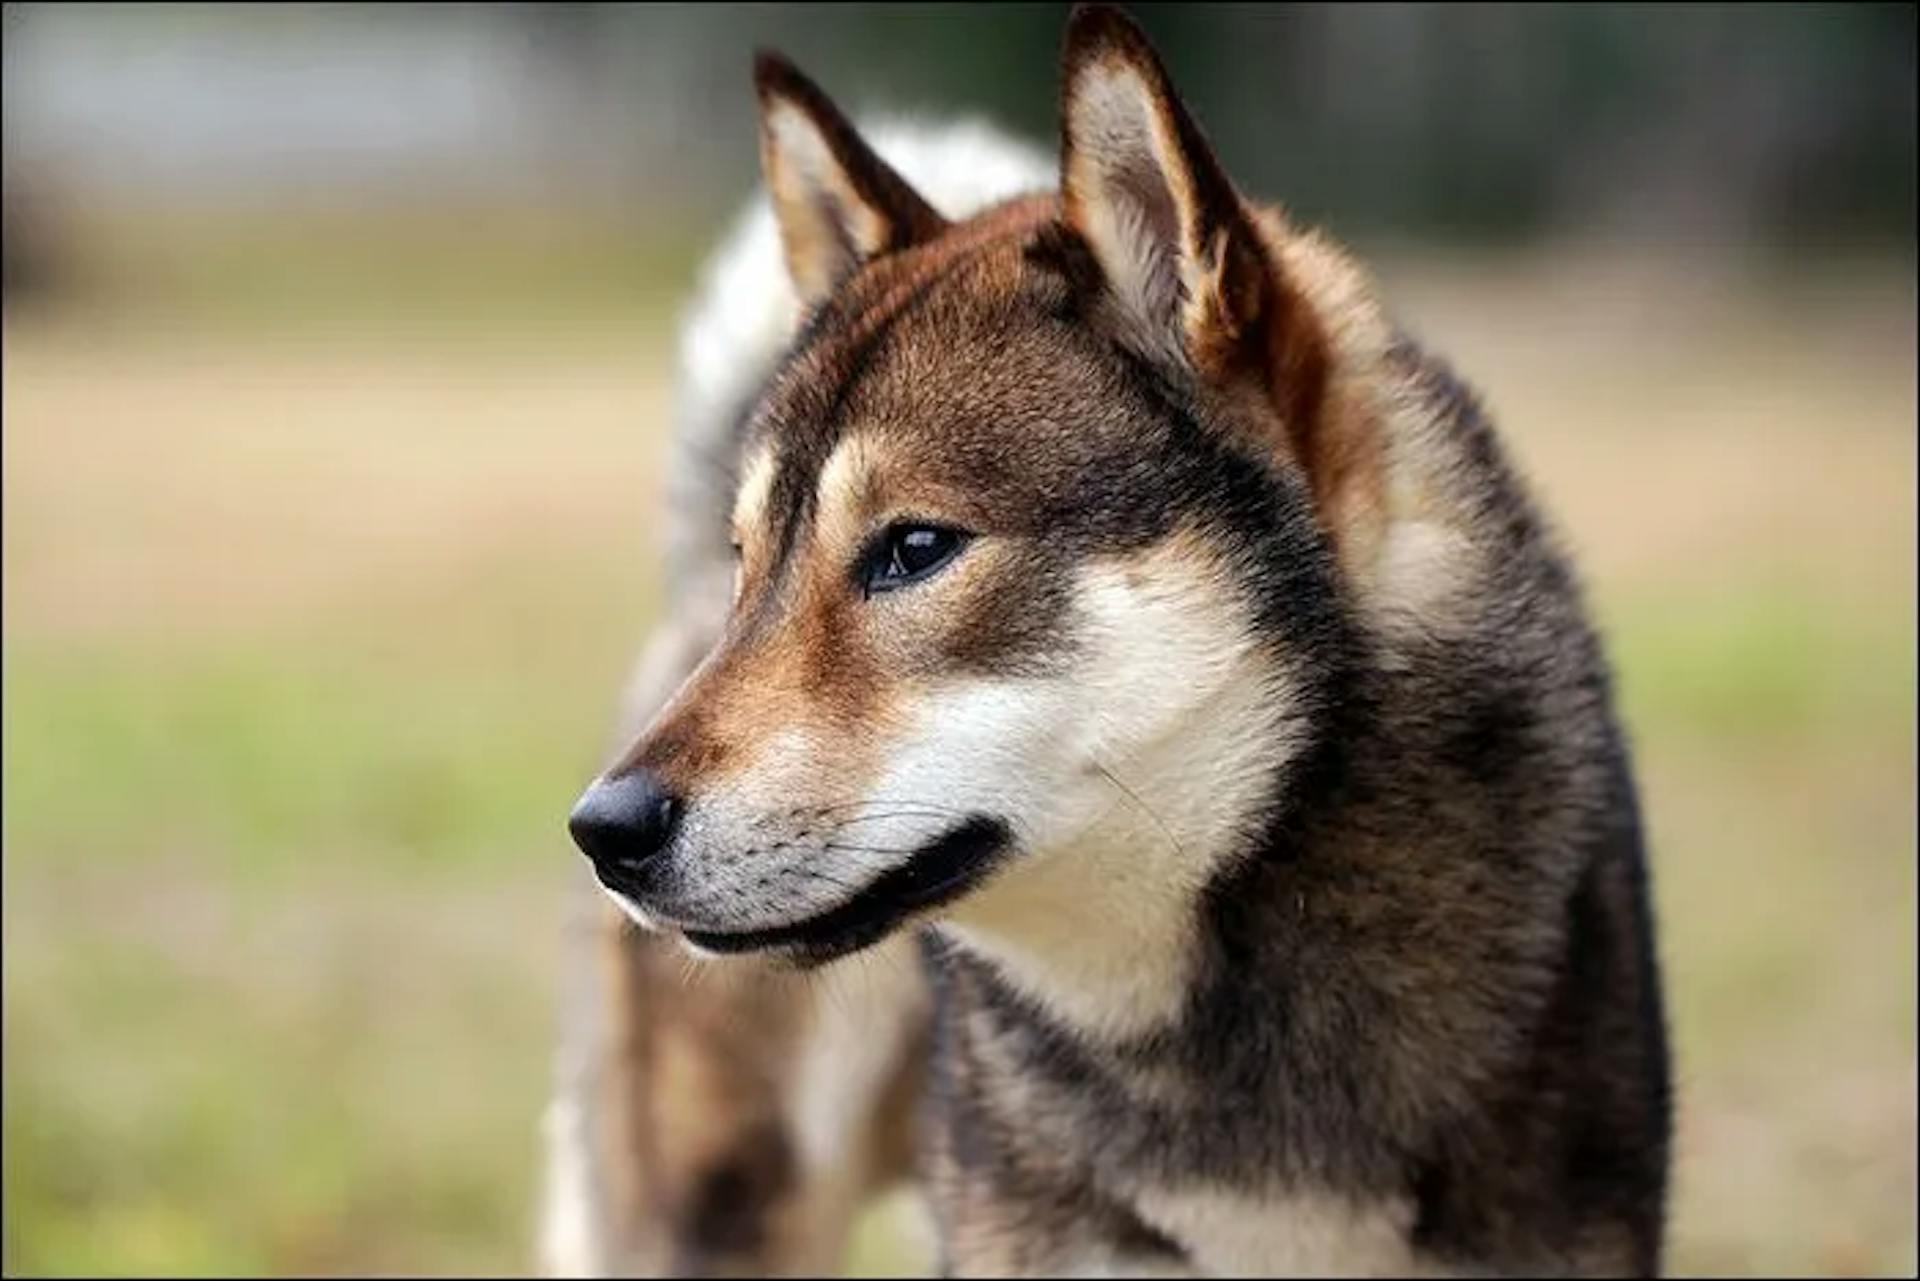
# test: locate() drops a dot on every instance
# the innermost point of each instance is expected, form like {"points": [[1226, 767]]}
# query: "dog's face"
{"points": [[1007, 521]]}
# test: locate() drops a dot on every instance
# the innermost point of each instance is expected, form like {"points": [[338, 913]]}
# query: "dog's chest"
{"points": [[1225, 1232]]}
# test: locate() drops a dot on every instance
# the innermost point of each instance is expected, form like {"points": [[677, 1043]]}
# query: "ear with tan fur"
{"points": [[1195, 279], [1143, 189], [836, 201]]}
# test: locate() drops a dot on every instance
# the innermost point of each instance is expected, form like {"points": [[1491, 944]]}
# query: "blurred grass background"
{"points": [[328, 531]]}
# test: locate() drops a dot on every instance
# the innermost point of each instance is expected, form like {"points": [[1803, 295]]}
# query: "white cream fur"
{"points": [[844, 1065], [569, 1240], [1119, 168], [1127, 781], [1190, 716], [756, 480], [1230, 1232], [824, 215], [745, 861]]}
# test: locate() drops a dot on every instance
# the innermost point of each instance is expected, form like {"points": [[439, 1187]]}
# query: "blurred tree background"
{"points": [[338, 362], [1788, 126]]}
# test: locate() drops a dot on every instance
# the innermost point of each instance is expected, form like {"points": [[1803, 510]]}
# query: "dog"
{"points": [[1127, 610], [736, 1122]]}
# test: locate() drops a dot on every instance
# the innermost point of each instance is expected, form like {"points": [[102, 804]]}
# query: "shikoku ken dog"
{"points": [[1127, 605]]}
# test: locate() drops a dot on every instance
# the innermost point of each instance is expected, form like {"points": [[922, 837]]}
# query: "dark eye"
{"points": [[908, 553]]}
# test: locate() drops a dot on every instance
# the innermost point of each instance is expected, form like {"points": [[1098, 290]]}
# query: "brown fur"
{"points": [[826, 664], [695, 1136], [1412, 1010]]}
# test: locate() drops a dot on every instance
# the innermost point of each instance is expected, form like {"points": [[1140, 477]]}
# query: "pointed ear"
{"points": [[1193, 278], [836, 201], [1141, 186]]}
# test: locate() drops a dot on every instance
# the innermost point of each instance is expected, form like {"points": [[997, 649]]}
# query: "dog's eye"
{"points": [[908, 553]]}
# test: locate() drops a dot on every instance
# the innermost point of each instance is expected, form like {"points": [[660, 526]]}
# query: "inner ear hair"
{"points": [[1194, 276], [837, 203], [1140, 183]]}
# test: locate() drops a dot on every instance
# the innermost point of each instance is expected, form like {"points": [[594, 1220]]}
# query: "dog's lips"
{"points": [[939, 872], [639, 915], [629, 891]]}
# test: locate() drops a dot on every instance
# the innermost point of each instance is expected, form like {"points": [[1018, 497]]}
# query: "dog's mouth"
{"points": [[939, 872]]}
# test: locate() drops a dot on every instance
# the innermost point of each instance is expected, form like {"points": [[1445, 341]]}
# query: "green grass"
{"points": [[265, 1094], [1763, 662], [278, 962], [255, 762]]}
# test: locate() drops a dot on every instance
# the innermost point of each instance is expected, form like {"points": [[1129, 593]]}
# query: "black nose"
{"points": [[621, 823]]}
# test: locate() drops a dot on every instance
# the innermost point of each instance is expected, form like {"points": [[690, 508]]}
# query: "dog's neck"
{"points": [[1102, 929]]}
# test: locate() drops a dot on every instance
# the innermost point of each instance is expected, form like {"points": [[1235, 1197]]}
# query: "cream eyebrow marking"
{"points": [[837, 493], [756, 483]]}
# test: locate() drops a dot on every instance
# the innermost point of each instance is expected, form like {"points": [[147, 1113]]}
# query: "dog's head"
{"points": [[1037, 525]]}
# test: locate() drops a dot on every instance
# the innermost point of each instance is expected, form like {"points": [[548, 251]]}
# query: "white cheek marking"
{"points": [[1177, 702], [971, 751], [980, 747]]}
